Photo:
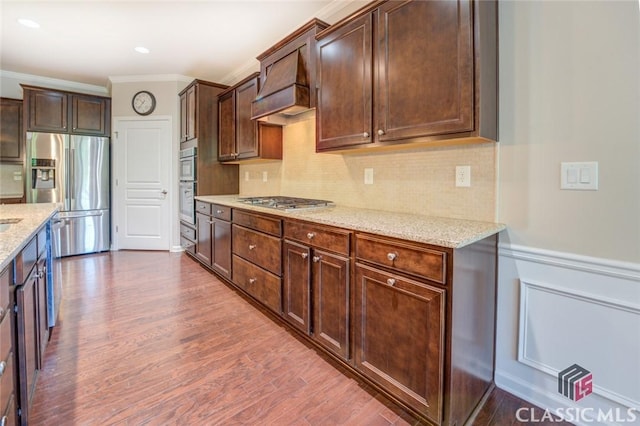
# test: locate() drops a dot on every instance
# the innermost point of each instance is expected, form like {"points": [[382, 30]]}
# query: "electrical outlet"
{"points": [[265, 176], [463, 176], [368, 176]]}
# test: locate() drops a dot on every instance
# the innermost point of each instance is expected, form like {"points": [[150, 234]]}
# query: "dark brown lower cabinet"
{"points": [[28, 341], [213, 231], [399, 337], [221, 247], [316, 295]]}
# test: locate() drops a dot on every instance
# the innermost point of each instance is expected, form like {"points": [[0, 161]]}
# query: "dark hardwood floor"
{"points": [[153, 338]]}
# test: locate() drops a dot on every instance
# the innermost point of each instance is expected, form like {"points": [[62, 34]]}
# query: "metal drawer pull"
{"points": [[391, 282], [218, 211], [317, 259], [310, 235], [381, 132], [365, 135], [304, 255], [252, 280], [252, 246], [392, 256], [211, 222], [3, 366]]}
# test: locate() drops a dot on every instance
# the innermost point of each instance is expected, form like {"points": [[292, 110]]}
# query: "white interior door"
{"points": [[142, 153]]}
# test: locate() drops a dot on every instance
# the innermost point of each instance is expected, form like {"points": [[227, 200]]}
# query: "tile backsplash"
{"points": [[418, 181]]}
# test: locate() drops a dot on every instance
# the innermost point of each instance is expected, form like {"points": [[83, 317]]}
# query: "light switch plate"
{"points": [[579, 176]]}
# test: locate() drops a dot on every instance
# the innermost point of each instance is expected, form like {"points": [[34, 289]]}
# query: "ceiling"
{"points": [[90, 41]]}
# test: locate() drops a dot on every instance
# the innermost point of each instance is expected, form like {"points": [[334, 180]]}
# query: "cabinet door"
{"points": [[89, 115], [424, 73], [227, 127], [399, 337], [203, 246], [11, 129], [343, 116], [296, 289], [221, 254], [192, 113], [27, 338], [246, 128], [184, 134], [331, 302], [47, 111], [42, 315]]}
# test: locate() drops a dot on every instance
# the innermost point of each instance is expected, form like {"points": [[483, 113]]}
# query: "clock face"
{"points": [[143, 102]]}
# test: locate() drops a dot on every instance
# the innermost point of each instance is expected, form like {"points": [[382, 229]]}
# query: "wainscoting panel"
{"points": [[560, 327], [558, 309]]}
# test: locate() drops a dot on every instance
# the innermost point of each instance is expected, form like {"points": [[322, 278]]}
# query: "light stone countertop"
{"points": [[15, 237], [440, 231]]}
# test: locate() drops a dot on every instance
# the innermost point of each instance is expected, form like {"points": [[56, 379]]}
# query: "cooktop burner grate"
{"points": [[286, 203]]}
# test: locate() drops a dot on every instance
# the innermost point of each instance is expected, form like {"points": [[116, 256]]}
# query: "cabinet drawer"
{"points": [[261, 223], [187, 232], [333, 239], [187, 245], [404, 257], [261, 249], [221, 212], [202, 207], [42, 241], [6, 380], [25, 261], [5, 337], [262, 285]]}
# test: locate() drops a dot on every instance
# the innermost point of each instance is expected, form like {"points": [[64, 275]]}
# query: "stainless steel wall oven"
{"points": [[188, 184]]}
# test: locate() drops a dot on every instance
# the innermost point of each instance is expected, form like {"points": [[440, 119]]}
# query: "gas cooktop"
{"points": [[285, 203]]}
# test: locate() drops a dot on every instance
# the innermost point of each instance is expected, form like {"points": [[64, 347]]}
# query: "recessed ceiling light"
{"points": [[141, 49], [29, 23]]}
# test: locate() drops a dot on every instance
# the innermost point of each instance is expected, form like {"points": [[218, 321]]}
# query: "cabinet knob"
{"points": [[317, 259], [391, 282], [252, 280], [380, 132], [218, 211], [365, 135], [392, 256], [3, 366], [40, 275], [310, 235], [252, 246], [1, 312], [304, 255], [210, 222]]}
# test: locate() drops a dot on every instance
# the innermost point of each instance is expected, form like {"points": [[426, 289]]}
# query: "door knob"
{"points": [[163, 192]]}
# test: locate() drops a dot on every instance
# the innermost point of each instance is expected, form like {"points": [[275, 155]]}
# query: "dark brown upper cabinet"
{"points": [[48, 110], [11, 146], [189, 112], [408, 72], [240, 137]]}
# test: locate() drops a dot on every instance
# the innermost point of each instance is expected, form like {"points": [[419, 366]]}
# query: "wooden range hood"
{"points": [[288, 74]]}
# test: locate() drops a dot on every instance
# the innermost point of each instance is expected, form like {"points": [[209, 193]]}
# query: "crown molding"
{"points": [[146, 78], [37, 80]]}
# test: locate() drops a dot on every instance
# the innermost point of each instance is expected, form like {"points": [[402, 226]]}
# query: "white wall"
{"points": [[569, 266]]}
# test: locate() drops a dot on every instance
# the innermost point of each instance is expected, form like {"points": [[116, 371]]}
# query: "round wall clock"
{"points": [[143, 102]]}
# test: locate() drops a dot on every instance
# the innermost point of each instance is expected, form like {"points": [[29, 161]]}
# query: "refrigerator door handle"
{"points": [[67, 201], [72, 174]]}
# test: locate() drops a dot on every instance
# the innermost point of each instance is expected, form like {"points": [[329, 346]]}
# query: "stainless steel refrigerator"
{"points": [[72, 170]]}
